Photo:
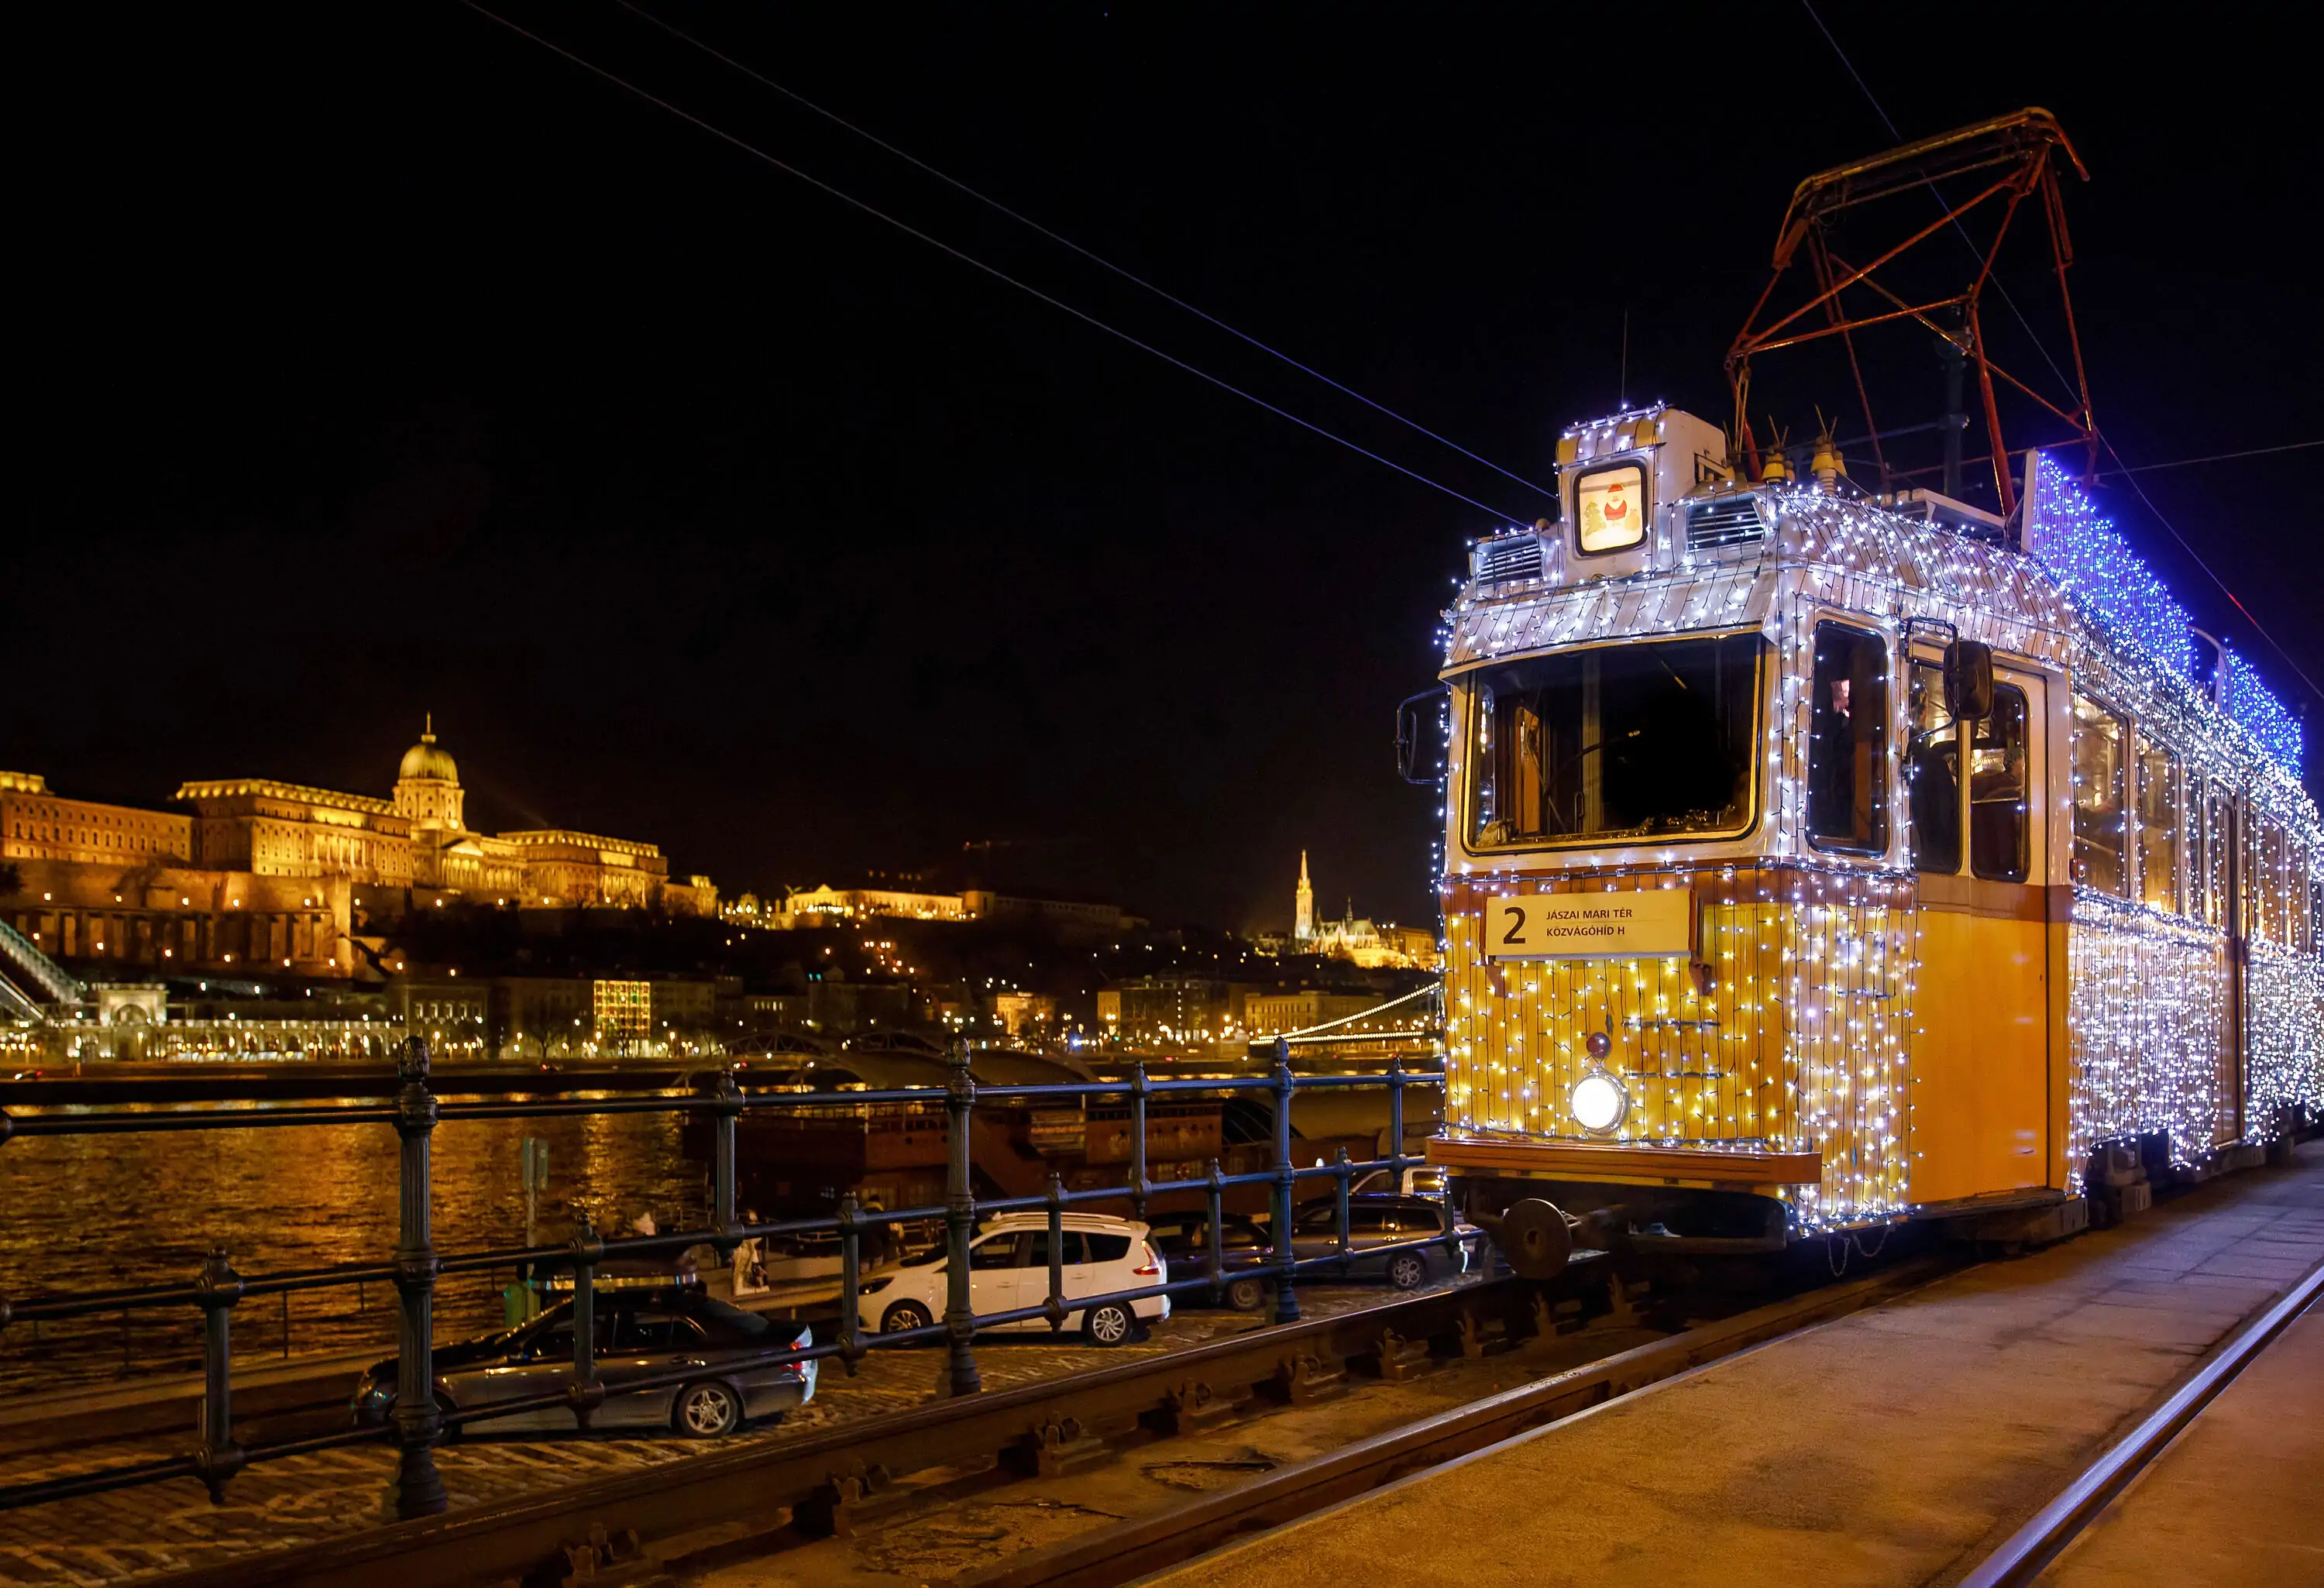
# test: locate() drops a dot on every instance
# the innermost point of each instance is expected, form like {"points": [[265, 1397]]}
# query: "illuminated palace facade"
{"points": [[256, 873]]}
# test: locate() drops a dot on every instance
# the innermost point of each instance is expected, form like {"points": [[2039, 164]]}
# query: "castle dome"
{"points": [[427, 759]]}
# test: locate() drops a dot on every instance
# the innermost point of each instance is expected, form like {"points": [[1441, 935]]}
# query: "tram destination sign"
{"points": [[1649, 923]]}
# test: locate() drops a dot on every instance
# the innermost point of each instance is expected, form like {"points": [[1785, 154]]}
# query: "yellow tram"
{"points": [[1816, 859]]}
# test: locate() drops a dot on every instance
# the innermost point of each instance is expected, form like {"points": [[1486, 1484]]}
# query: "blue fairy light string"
{"points": [[2120, 593]]}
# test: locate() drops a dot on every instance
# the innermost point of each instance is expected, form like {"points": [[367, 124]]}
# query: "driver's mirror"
{"points": [[1420, 737], [1969, 680]]}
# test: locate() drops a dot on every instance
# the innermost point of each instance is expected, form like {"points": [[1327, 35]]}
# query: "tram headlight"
{"points": [[1597, 1102]]}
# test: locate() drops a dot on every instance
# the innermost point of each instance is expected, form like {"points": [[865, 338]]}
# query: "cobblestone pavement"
{"points": [[136, 1533]]}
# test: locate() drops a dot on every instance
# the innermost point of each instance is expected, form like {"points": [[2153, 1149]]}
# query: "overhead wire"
{"points": [[2148, 468], [2123, 466], [1065, 242], [969, 259]]}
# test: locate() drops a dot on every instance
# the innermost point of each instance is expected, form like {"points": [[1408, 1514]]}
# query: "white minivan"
{"points": [[1009, 1268]]}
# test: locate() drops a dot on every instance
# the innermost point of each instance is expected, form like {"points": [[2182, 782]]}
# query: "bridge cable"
{"points": [[969, 259]]}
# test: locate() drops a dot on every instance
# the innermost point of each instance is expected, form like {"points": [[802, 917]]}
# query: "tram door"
{"points": [[1981, 1050]]}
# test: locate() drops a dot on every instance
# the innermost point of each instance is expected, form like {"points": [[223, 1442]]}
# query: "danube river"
{"points": [[110, 1212]]}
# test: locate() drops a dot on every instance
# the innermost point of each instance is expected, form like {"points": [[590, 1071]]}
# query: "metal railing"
{"points": [[417, 1423]]}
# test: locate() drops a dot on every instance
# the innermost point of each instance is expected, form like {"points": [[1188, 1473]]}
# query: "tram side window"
{"points": [[2297, 902], [2263, 868], [1848, 741], [1997, 818], [2158, 826], [2281, 878], [1932, 776], [2098, 796], [2198, 847], [2218, 844]]}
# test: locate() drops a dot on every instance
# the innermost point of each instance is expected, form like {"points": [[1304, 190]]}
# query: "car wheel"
{"points": [[707, 1410], [1407, 1270], [903, 1315], [1107, 1323], [1246, 1295], [452, 1431]]}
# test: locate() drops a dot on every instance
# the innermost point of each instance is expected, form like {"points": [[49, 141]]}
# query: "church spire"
{"points": [[1303, 920]]}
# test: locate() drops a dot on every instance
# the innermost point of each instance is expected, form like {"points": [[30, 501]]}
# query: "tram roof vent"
{"points": [[1506, 558], [1725, 521]]}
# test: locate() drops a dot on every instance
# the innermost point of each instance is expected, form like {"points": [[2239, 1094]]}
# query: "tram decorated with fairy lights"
{"points": [[1813, 860], [1819, 855]]}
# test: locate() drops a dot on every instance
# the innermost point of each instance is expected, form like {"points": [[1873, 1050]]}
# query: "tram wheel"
{"points": [[1535, 1240]]}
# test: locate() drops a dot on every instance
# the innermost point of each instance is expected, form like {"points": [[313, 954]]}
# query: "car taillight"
{"points": [[1153, 1265]]}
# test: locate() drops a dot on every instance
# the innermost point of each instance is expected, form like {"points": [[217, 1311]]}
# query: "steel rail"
{"points": [[2056, 1525], [1147, 1544]]}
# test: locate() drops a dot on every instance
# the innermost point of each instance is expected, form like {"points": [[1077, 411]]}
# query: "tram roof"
{"points": [[1819, 549], [1834, 551]]}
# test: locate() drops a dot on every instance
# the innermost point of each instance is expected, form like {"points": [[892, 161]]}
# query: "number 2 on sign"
{"points": [[1515, 937]]}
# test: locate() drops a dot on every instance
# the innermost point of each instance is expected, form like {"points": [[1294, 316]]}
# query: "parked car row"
{"points": [[710, 1350]]}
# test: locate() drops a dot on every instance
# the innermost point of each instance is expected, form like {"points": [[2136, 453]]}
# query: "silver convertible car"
{"points": [[664, 1329]]}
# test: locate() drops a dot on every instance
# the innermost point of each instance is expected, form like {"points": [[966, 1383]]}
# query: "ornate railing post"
{"points": [[1138, 1092], [219, 1457], [1341, 1170], [721, 1179], [585, 1393], [1217, 1235], [1055, 1306], [851, 1285], [1396, 1080], [416, 1489], [960, 1219], [1287, 1294]]}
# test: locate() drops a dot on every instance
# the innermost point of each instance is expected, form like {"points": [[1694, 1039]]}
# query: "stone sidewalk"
{"points": [[1895, 1446]]}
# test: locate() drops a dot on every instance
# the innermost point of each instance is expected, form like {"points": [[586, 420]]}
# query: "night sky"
{"points": [[373, 360]]}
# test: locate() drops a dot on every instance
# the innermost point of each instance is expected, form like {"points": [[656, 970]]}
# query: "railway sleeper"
{"points": [[1191, 1406], [1485, 1336], [1397, 1360], [1057, 1446], [1302, 1377], [834, 1506]]}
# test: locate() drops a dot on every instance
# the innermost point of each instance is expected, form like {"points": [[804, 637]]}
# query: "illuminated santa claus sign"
{"points": [[1611, 507]]}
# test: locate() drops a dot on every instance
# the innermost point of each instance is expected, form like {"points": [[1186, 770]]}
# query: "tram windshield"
{"points": [[1651, 740]]}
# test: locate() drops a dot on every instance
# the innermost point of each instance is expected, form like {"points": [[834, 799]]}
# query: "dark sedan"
{"points": [[666, 1329], [1379, 1220], [1184, 1240]]}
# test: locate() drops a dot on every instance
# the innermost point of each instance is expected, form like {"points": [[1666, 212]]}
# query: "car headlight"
{"points": [[1597, 1102], [874, 1287]]}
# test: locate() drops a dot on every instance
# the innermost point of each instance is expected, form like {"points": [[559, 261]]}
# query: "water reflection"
{"points": [[109, 1212]]}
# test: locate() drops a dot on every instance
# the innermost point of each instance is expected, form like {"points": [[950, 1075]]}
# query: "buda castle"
{"points": [[259, 873]]}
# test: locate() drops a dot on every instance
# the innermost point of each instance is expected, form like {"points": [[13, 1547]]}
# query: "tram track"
{"points": [[761, 1504], [1127, 1551], [2027, 1553]]}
